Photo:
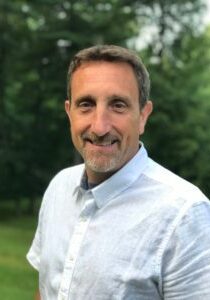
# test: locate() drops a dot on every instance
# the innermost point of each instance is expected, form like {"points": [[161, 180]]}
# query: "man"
{"points": [[120, 226]]}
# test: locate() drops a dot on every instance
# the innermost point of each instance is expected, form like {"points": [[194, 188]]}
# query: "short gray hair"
{"points": [[112, 53]]}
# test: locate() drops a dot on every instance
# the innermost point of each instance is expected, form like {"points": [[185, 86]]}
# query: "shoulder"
{"points": [[61, 187], [67, 178], [70, 172], [171, 184]]}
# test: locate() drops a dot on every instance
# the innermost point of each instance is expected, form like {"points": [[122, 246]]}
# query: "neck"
{"points": [[96, 178]]}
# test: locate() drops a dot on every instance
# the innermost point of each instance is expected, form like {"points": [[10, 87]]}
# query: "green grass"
{"points": [[18, 280]]}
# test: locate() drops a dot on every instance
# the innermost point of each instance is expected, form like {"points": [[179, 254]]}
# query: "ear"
{"points": [[67, 108], [144, 115]]}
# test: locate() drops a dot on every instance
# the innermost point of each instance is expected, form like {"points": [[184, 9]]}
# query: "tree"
{"points": [[179, 129], [38, 39]]}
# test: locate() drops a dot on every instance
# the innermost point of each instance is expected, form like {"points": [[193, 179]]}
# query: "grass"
{"points": [[18, 280]]}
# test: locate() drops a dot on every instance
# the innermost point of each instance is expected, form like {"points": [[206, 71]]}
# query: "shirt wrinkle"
{"points": [[121, 180], [135, 248]]}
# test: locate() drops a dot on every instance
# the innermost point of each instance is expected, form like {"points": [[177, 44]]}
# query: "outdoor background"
{"points": [[37, 41]]}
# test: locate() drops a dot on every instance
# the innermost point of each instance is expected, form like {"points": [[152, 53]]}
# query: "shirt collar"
{"points": [[122, 179], [79, 177]]}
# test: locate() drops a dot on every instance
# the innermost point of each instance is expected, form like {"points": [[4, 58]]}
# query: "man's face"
{"points": [[105, 116]]}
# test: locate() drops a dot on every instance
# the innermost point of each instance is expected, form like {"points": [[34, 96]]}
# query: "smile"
{"points": [[102, 144], [108, 146]]}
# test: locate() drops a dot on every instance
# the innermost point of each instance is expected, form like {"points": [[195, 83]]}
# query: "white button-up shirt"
{"points": [[144, 234]]}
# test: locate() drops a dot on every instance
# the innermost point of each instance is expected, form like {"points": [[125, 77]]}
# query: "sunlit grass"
{"points": [[18, 280]]}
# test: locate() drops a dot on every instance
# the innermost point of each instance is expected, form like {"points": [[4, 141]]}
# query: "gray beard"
{"points": [[102, 166]]}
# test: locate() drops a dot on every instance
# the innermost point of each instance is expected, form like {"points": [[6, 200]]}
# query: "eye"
{"points": [[85, 105], [119, 105]]}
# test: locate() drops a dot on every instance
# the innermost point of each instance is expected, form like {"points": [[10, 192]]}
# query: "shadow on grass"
{"points": [[18, 208]]}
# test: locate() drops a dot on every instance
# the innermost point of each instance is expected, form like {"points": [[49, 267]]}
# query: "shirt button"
{"points": [[83, 219], [71, 259], [62, 297]]}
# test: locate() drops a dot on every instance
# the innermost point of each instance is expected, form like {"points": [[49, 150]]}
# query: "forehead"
{"points": [[117, 73]]}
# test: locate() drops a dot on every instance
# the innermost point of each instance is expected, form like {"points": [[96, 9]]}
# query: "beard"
{"points": [[98, 161]]}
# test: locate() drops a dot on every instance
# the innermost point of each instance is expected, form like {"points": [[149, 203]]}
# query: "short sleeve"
{"points": [[34, 253], [186, 262]]}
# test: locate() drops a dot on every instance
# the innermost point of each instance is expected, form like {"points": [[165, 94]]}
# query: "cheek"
{"points": [[130, 134], [75, 125], [79, 124], [74, 133], [134, 127]]}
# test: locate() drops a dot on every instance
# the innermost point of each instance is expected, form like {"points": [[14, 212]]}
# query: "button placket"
{"points": [[74, 246]]}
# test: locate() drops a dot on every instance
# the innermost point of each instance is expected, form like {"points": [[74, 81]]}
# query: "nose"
{"points": [[101, 123]]}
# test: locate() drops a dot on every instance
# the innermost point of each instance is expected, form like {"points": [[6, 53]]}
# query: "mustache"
{"points": [[95, 139]]}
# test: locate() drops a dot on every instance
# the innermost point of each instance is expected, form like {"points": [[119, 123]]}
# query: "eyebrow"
{"points": [[110, 98], [84, 98], [119, 97]]}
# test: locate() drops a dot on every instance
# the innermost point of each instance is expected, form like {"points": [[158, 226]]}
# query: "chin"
{"points": [[107, 167]]}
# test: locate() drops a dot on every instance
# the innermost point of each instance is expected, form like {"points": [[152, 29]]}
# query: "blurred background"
{"points": [[37, 41]]}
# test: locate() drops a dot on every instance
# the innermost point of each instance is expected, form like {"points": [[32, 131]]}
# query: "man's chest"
{"points": [[104, 254]]}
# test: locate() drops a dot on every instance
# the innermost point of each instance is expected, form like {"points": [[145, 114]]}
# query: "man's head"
{"points": [[112, 53], [104, 111]]}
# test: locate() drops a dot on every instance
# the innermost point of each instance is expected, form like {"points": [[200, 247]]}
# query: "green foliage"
{"points": [[37, 41], [179, 129]]}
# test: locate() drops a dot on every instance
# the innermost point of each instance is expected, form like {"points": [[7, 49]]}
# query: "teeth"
{"points": [[103, 144]]}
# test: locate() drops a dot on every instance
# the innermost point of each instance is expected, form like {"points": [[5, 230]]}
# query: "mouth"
{"points": [[107, 143]]}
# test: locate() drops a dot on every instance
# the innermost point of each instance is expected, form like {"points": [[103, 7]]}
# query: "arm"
{"points": [[186, 262], [37, 296]]}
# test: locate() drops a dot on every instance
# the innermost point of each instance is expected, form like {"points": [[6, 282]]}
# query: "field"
{"points": [[18, 281]]}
